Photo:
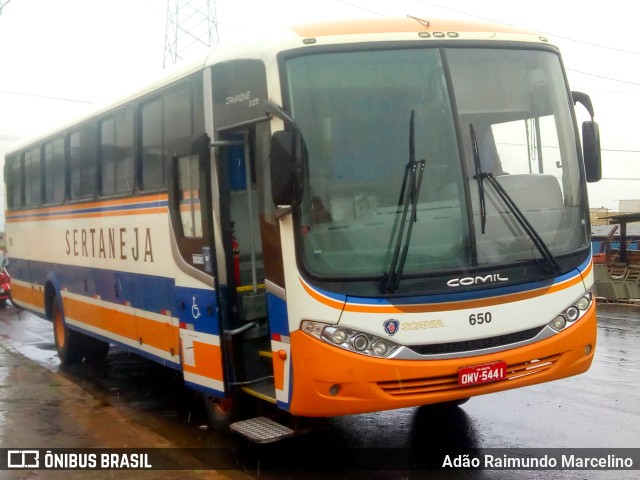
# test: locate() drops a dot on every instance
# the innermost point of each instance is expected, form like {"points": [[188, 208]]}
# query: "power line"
{"points": [[623, 50], [361, 7], [604, 77], [619, 150], [47, 97], [3, 4]]}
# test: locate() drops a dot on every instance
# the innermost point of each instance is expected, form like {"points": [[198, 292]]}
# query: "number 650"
{"points": [[479, 318]]}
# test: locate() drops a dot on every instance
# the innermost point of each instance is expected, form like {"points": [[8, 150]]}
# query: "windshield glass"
{"points": [[354, 110]]}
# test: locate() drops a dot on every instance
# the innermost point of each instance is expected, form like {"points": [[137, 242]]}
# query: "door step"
{"points": [[261, 430]]}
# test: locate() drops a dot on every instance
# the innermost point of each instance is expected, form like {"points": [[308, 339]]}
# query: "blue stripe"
{"points": [[144, 292], [464, 295], [98, 209], [278, 318]]}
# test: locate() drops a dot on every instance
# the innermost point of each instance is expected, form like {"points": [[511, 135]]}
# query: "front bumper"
{"points": [[328, 381]]}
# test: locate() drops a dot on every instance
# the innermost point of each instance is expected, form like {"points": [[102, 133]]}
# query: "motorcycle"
{"points": [[5, 280]]}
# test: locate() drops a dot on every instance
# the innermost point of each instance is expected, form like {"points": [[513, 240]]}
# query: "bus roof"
{"points": [[401, 25], [334, 32]]}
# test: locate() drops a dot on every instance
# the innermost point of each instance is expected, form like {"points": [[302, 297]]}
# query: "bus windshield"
{"points": [[355, 109]]}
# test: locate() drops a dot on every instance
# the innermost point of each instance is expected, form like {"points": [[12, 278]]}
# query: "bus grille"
{"points": [[479, 344], [425, 386]]}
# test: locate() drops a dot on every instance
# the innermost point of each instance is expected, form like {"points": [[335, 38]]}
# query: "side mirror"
{"points": [[590, 139], [286, 167], [591, 151]]}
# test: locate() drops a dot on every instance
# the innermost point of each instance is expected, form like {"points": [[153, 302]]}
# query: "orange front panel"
{"points": [[365, 384]]}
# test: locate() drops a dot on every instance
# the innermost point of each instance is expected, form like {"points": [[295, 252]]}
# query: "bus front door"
{"points": [[197, 292]]}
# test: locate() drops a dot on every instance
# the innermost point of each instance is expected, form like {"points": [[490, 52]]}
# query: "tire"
{"points": [[68, 342], [452, 403], [221, 412], [94, 349]]}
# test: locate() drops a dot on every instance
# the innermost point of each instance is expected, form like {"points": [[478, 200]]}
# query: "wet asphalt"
{"points": [[129, 402]]}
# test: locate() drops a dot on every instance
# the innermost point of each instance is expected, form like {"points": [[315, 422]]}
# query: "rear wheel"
{"points": [[221, 412], [95, 350], [68, 342]]}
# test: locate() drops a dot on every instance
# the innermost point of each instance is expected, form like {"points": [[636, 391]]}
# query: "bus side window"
{"points": [[164, 119], [116, 153], [82, 161], [32, 177], [13, 179], [152, 174], [54, 171]]}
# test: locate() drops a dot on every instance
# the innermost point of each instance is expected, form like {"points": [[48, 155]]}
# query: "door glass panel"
{"points": [[189, 195]]}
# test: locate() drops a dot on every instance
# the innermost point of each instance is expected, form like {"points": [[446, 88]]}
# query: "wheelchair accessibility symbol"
{"points": [[195, 310]]}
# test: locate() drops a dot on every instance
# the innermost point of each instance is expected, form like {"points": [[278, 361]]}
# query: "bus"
{"points": [[334, 218]]}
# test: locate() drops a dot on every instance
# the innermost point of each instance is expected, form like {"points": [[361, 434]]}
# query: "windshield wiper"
{"points": [[552, 265], [480, 177], [409, 194]]}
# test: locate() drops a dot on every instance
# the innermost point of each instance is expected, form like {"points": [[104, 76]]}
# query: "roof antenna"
{"points": [[425, 23]]}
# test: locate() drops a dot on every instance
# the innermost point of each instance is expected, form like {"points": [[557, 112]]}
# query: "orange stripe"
{"points": [[278, 371], [442, 307], [208, 361], [321, 298], [28, 295], [159, 335], [65, 211]]}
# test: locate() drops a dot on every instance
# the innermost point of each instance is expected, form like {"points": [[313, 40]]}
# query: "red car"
{"points": [[5, 280]]}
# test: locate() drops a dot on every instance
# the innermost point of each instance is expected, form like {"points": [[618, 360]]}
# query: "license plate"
{"points": [[478, 374]]}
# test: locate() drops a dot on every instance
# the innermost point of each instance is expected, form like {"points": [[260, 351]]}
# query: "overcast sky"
{"points": [[58, 57]]}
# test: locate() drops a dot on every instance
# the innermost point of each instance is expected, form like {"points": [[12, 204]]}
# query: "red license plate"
{"points": [[478, 374]]}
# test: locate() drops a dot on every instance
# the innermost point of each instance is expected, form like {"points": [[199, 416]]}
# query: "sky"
{"points": [[60, 58]]}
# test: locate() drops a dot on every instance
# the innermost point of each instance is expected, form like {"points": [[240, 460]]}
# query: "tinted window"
{"points": [[54, 171], [82, 162], [116, 153], [33, 178], [152, 146], [14, 182], [164, 120]]}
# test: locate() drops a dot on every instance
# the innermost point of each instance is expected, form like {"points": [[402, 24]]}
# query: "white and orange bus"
{"points": [[336, 218]]}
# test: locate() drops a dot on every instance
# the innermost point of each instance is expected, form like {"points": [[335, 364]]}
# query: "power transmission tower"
{"points": [[191, 25]]}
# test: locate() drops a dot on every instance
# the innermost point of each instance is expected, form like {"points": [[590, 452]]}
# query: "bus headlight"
{"points": [[572, 312], [558, 323], [339, 336], [351, 340]]}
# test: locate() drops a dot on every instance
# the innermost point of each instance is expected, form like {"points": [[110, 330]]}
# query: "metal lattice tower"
{"points": [[191, 25]]}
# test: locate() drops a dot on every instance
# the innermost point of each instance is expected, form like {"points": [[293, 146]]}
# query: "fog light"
{"points": [[334, 390], [360, 342], [583, 303], [572, 313], [339, 336], [379, 348], [558, 323]]}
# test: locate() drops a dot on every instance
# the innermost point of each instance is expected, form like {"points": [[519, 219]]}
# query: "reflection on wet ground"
{"points": [[129, 394]]}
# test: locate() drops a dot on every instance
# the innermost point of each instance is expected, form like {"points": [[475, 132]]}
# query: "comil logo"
{"points": [[23, 459], [477, 280]]}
